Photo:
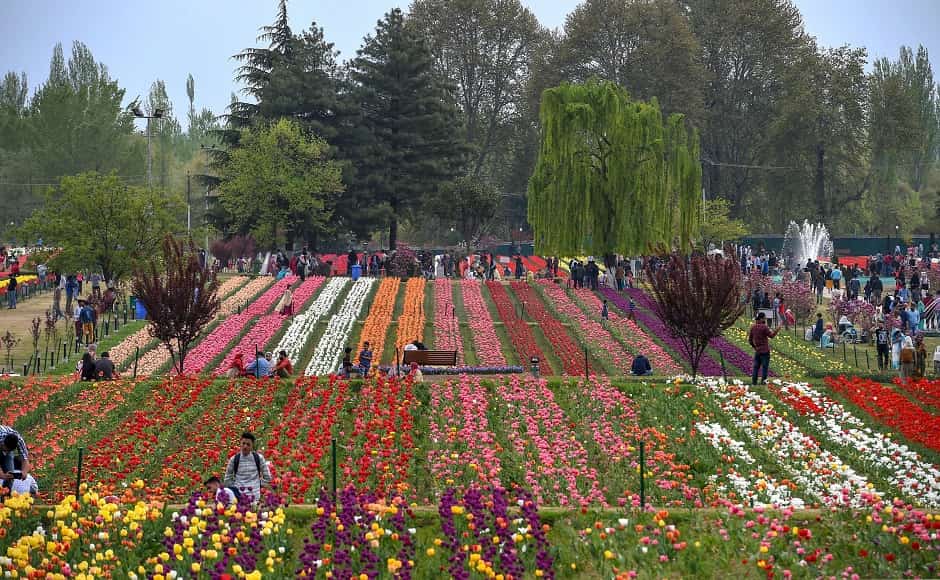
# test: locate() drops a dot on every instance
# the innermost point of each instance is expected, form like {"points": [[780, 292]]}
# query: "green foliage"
{"points": [[612, 177], [646, 47], [469, 203], [278, 184], [409, 140], [100, 223], [717, 226]]}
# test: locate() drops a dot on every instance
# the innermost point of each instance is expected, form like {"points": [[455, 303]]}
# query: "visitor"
{"points": [[23, 485], [247, 471], [520, 269], [104, 368], [619, 277], [283, 368], [854, 288], [365, 359], [920, 358], [259, 366], [819, 284], [818, 328], [844, 324], [836, 277], [913, 318], [237, 367], [11, 292], [882, 341], [641, 366], [897, 337], [826, 340], [877, 287], [759, 339], [96, 285], [411, 345], [416, 375], [87, 319], [631, 310], [286, 305], [908, 356], [220, 494], [605, 313], [593, 271], [12, 447], [71, 292], [86, 366], [347, 366]]}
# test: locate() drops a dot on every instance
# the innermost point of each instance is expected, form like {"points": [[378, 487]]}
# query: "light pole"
{"points": [[157, 114], [205, 218]]}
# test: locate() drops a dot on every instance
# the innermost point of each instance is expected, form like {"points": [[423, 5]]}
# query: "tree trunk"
{"points": [[393, 233], [819, 182]]}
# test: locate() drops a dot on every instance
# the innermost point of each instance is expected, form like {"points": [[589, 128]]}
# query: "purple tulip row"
{"points": [[707, 366]]}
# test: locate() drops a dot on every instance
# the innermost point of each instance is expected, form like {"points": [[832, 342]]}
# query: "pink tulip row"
{"points": [[589, 329], [485, 342], [128, 347], [446, 325], [156, 358], [463, 449], [267, 326], [638, 341], [229, 329], [555, 462]]}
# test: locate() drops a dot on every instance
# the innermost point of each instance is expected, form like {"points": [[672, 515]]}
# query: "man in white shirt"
{"points": [[247, 471]]}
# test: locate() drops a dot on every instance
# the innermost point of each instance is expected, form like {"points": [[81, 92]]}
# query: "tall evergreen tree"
{"points": [[411, 140]]}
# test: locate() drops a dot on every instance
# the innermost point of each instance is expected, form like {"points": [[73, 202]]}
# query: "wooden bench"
{"points": [[437, 358]]}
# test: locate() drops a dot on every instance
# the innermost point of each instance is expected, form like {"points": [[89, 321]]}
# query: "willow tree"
{"points": [[612, 176]]}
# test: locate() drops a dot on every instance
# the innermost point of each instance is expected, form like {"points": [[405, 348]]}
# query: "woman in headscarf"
{"points": [[897, 337], [908, 356], [286, 306]]}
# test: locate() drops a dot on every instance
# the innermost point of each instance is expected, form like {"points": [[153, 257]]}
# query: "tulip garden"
{"points": [[571, 469]]}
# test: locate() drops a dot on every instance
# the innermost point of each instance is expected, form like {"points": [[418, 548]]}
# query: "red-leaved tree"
{"points": [[697, 299], [180, 297]]}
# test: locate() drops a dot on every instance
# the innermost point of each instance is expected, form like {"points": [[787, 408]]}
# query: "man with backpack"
{"points": [[247, 471]]}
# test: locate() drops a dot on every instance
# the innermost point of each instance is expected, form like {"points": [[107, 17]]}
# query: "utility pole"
{"points": [[157, 114]]}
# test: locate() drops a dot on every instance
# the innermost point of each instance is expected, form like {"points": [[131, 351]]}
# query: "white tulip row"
{"points": [[764, 490], [915, 477], [817, 471], [329, 351], [297, 335]]}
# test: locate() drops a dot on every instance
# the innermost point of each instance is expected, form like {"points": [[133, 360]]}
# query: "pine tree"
{"points": [[409, 142]]}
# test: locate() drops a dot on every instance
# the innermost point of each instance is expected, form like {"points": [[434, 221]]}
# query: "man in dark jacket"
{"points": [[759, 339]]}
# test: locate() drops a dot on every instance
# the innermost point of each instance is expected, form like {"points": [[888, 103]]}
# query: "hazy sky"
{"points": [[168, 39]]}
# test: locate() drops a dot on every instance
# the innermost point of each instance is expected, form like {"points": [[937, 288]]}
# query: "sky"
{"points": [[169, 39]]}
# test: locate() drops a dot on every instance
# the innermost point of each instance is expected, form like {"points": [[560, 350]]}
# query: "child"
{"points": [[222, 495], [347, 367], [605, 314]]}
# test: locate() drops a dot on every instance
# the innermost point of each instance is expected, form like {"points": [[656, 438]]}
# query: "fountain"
{"points": [[806, 242]]}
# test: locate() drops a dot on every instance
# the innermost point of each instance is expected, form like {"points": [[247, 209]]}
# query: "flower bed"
{"points": [[301, 327], [523, 341], [380, 318], [565, 348], [924, 390], [380, 449], [819, 472], [220, 338], [707, 365], [485, 340], [30, 394], [890, 408], [630, 333], [905, 468], [590, 331], [446, 326], [555, 463], [329, 351], [502, 370], [301, 437], [411, 321]]}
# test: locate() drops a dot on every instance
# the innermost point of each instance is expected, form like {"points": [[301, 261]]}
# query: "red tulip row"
{"points": [[301, 438], [924, 390], [207, 442], [53, 443], [212, 345], [571, 354], [131, 444], [519, 332], [380, 450], [446, 326], [890, 408], [591, 331], [33, 392], [268, 325]]}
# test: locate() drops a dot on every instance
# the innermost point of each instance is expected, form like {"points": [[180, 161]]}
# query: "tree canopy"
{"points": [[612, 176], [96, 222]]}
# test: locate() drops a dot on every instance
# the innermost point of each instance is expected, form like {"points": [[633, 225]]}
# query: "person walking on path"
{"points": [[882, 342], [247, 471], [11, 293], [759, 339]]}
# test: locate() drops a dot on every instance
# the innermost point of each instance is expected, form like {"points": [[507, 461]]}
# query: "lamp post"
{"points": [[205, 219], [157, 114]]}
